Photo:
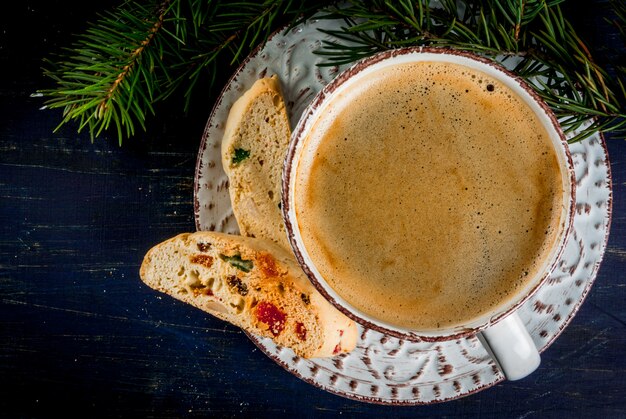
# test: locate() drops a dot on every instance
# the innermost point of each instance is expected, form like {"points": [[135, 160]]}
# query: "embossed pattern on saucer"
{"points": [[383, 369]]}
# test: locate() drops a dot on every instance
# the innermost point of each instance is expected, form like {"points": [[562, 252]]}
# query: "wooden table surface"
{"points": [[81, 335]]}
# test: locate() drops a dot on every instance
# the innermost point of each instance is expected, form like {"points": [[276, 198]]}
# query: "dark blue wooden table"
{"points": [[81, 335]]}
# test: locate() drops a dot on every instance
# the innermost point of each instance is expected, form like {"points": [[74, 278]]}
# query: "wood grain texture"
{"points": [[81, 335]]}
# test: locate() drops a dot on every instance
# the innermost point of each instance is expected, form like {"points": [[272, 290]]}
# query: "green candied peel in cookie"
{"points": [[240, 155], [239, 263]]}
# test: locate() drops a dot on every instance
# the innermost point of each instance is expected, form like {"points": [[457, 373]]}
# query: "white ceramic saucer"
{"points": [[383, 369]]}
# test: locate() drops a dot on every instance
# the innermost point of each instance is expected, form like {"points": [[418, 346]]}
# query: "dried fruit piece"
{"points": [[239, 263], [204, 260], [235, 282], [267, 265], [269, 314], [300, 331], [240, 155], [203, 247]]}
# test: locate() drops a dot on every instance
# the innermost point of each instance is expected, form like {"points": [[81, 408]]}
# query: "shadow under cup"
{"points": [[345, 85]]}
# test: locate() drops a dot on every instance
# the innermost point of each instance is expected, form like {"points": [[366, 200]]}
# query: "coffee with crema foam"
{"points": [[428, 195]]}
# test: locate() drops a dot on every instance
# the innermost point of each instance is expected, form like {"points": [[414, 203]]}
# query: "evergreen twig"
{"points": [[143, 52], [551, 56]]}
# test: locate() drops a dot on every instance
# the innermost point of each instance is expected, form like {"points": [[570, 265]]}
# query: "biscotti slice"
{"points": [[256, 137], [251, 283]]}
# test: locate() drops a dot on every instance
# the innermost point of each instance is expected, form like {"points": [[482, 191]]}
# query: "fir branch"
{"points": [[140, 54], [114, 72], [234, 30], [552, 57]]}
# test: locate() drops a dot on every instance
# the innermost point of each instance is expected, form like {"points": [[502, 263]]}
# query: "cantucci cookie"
{"points": [[253, 284], [256, 137]]}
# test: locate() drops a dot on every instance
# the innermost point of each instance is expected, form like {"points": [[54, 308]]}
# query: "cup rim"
{"points": [[286, 186]]}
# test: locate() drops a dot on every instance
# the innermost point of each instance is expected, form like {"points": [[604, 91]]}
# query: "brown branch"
{"points": [[518, 26], [102, 107]]}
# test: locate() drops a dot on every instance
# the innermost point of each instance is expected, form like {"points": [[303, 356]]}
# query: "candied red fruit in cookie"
{"points": [[337, 349], [301, 331], [269, 314]]}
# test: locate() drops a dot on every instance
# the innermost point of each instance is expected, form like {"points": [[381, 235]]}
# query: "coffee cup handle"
{"points": [[511, 347]]}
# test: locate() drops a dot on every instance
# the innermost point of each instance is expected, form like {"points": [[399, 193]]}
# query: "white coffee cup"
{"points": [[501, 331]]}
